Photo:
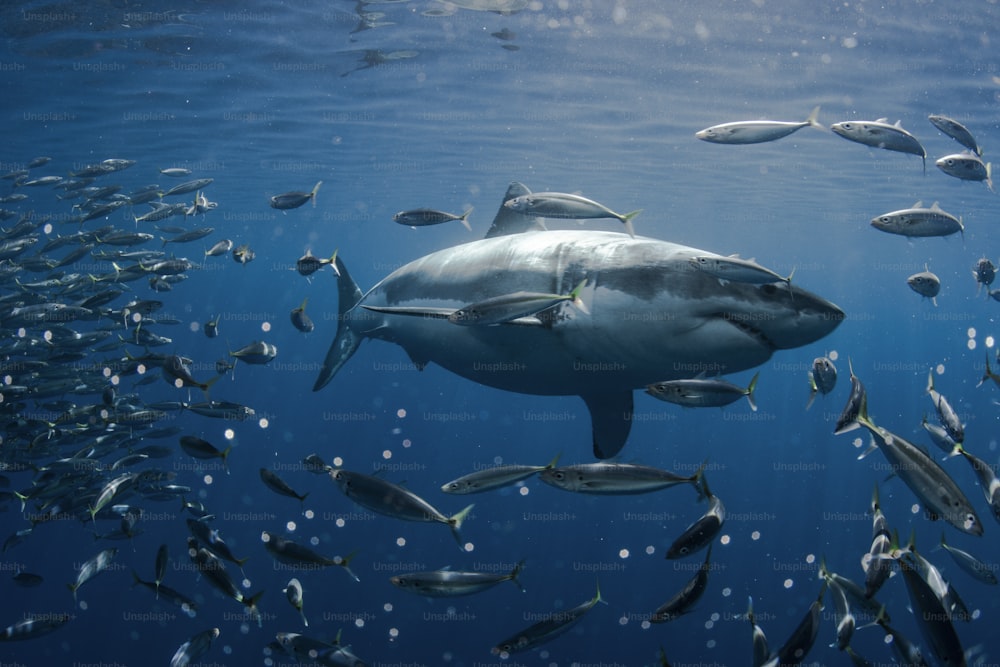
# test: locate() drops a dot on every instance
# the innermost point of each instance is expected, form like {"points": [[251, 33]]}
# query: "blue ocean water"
{"points": [[399, 105]]}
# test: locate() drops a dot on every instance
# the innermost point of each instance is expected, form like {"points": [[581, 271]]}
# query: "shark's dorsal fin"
{"points": [[509, 222], [611, 421]]}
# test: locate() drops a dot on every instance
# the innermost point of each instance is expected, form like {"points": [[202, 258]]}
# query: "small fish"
{"points": [[242, 254], [300, 320], [39, 161], [292, 553], [682, 602], [985, 273], [756, 131], [822, 378], [220, 248], [567, 206], [510, 307], [200, 206], [936, 490], [212, 327], [926, 284], [293, 591], [918, 221], [702, 532], [203, 449], [907, 652], [848, 420], [956, 131], [189, 186], [607, 478], [91, 568], [494, 478], [703, 393], [30, 628], [175, 172], [877, 569], [290, 200], [195, 647], [550, 627], [970, 564], [279, 486], [257, 353], [738, 270], [421, 217], [213, 541], [966, 166], [222, 409], [177, 372], [842, 609], [453, 583], [946, 414], [933, 617], [800, 642], [187, 605], [187, 237], [393, 500], [309, 264], [160, 566], [880, 134], [988, 480]]}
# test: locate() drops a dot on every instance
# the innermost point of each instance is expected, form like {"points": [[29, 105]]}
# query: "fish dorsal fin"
{"points": [[919, 204], [611, 421], [899, 124], [735, 255], [509, 222], [935, 207], [882, 120]]}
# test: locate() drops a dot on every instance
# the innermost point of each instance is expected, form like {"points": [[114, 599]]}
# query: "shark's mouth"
{"points": [[745, 322]]}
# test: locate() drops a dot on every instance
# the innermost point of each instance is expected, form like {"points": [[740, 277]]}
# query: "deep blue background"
{"points": [[420, 104]]}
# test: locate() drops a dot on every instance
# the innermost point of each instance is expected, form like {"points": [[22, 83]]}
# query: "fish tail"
{"points": [[205, 386], [813, 119], [930, 381], [346, 342], [225, 455], [514, 574], [312, 194], [813, 390], [345, 563], [455, 522], [597, 596], [575, 297], [464, 219], [627, 221], [750, 390], [333, 263]]}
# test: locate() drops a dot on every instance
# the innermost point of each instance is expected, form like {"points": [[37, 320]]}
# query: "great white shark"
{"points": [[650, 316]]}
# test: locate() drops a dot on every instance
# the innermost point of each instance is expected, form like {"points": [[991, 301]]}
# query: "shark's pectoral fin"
{"points": [[611, 421]]}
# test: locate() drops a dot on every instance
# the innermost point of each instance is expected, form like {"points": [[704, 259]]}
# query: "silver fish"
{"points": [[918, 221], [195, 647], [880, 134], [949, 418], [510, 307], [300, 320], [421, 217], [567, 206], [739, 270], [275, 483], [756, 131], [393, 500], [92, 567], [956, 131], [293, 591], [550, 627], [761, 652], [937, 491], [966, 166], [933, 618], [926, 284], [606, 478], [290, 200], [877, 569], [842, 609], [703, 393], [801, 641], [189, 186], [257, 352], [972, 565], [294, 554], [452, 583], [822, 378], [682, 602], [702, 532], [494, 478]]}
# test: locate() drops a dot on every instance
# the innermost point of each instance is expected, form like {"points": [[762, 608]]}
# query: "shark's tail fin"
{"points": [[347, 339]]}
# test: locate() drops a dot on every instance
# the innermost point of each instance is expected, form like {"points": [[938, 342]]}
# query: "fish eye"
{"points": [[950, 163], [684, 551], [559, 475], [884, 219], [846, 126]]}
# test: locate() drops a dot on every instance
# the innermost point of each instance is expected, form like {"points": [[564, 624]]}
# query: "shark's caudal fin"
{"points": [[611, 421], [509, 222], [347, 340]]}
